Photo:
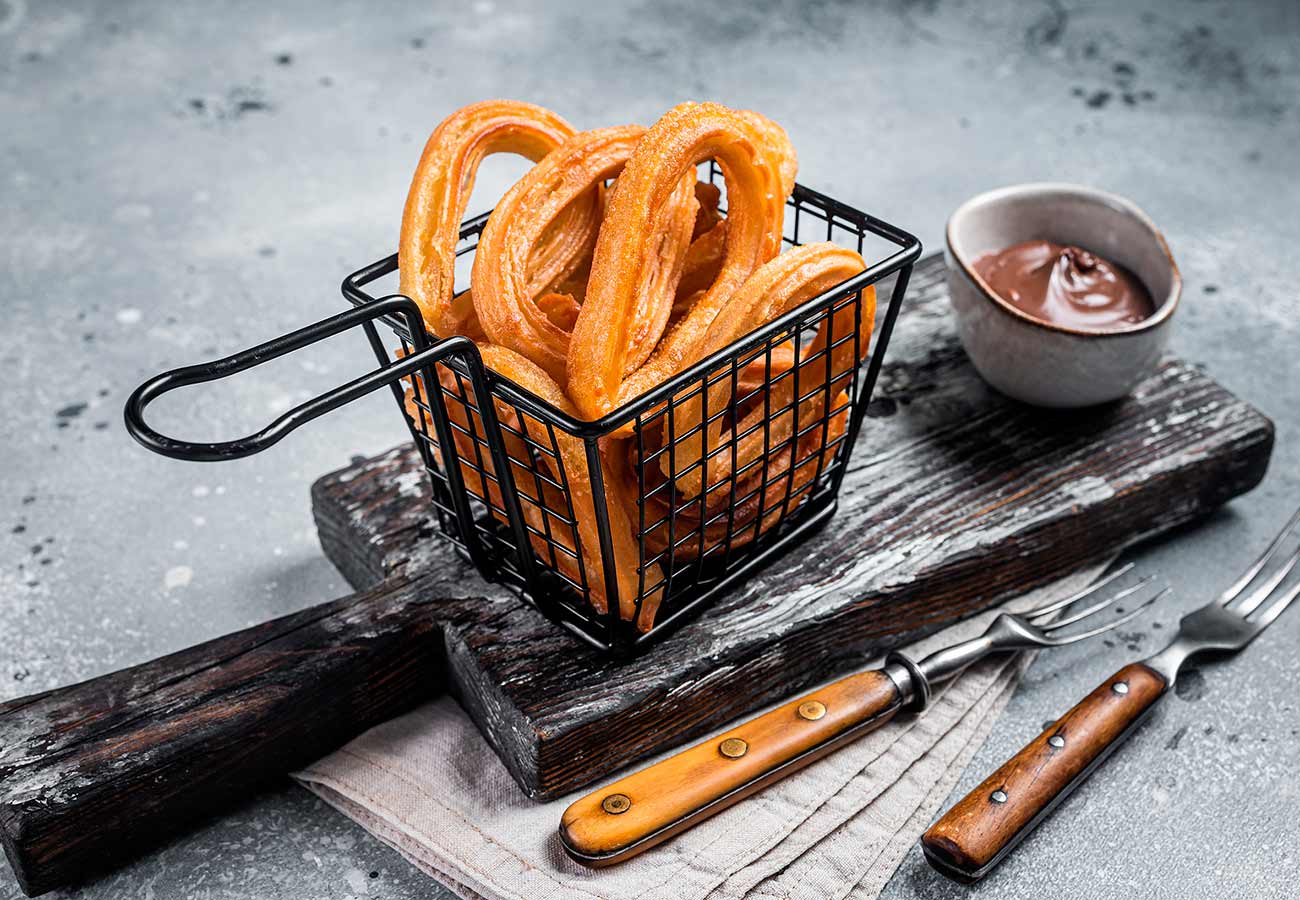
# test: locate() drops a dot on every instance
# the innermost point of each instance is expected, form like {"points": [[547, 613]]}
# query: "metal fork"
{"points": [[1016, 631], [972, 837], [652, 805]]}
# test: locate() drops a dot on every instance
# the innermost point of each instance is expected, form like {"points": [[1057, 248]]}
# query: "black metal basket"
{"points": [[501, 486]]}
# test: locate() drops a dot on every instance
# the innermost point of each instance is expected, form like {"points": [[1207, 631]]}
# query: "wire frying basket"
{"points": [[620, 528]]}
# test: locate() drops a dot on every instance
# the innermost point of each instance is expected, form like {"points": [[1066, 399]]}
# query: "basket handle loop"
{"points": [[396, 305]]}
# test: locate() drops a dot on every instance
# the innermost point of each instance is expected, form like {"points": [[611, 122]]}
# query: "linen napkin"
{"points": [[427, 784]]}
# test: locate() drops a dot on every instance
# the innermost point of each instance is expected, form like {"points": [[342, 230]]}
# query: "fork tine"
{"points": [[1260, 594], [1102, 629], [1097, 585], [1275, 609], [1097, 607], [1258, 565]]}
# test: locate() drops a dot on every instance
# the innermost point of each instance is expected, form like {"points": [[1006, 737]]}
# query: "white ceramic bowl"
{"points": [[1040, 362]]}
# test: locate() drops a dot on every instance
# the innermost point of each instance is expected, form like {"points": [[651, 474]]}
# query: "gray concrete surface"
{"points": [[179, 180]]}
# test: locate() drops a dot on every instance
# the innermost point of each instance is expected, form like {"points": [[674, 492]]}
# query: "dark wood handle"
{"points": [[95, 773], [976, 833], [650, 806]]}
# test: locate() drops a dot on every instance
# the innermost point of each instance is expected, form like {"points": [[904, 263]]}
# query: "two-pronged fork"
{"points": [[975, 834], [652, 805]]}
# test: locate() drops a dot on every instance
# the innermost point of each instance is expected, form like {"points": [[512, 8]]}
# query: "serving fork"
{"points": [[648, 807], [972, 837]]}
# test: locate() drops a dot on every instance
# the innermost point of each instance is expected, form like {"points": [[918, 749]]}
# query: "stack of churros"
{"points": [[606, 270]]}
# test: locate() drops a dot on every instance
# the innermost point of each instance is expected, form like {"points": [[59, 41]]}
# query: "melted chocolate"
{"points": [[1066, 286]]}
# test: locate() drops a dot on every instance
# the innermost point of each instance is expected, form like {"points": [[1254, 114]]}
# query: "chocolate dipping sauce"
{"points": [[1066, 286]]}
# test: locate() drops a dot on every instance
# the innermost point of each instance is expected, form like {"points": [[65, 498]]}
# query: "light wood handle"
{"points": [[650, 806], [974, 835]]}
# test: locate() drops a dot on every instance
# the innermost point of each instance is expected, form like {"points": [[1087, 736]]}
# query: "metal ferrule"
{"points": [[913, 686], [915, 679]]}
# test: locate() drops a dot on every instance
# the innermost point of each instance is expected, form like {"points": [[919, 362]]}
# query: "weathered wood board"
{"points": [[956, 498]]}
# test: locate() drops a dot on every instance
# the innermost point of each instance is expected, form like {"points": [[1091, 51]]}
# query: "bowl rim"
{"points": [[1115, 201]]}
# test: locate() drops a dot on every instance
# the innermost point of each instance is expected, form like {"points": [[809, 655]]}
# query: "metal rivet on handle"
{"points": [[998, 796], [616, 804], [733, 748], [1120, 687], [812, 710], [1056, 741]]}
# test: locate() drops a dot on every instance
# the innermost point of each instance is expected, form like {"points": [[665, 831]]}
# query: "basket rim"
{"points": [[908, 252]]}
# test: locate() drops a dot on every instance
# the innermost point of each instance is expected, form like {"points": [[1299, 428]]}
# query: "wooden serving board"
{"points": [[956, 498]]}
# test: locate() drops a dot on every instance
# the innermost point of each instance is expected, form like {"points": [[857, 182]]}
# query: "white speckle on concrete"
{"points": [[178, 577], [128, 315], [357, 882], [200, 490]]}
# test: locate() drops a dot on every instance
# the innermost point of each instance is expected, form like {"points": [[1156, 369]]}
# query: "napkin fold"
{"points": [[427, 784]]}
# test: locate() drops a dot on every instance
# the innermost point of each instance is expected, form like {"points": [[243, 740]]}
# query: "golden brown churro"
{"points": [[440, 192], [632, 234], [700, 270], [572, 468], [506, 307], [773, 486], [709, 196], [607, 269], [781, 285]]}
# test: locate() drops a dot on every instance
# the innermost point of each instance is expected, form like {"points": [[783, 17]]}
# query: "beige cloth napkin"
{"points": [[427, 784]]}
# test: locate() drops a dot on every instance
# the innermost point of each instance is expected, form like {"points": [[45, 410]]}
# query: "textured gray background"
{"points": [[180, 180]]}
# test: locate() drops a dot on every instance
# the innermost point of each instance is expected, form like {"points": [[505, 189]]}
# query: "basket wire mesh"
{"points": [[720, 468]]}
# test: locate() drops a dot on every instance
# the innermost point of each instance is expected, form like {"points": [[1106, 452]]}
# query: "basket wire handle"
{"points": [[255, 356], [426, 353]]}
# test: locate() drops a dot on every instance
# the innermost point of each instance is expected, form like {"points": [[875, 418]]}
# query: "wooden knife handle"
{"points": [[95, 773], [650, 806], [974, 835]]}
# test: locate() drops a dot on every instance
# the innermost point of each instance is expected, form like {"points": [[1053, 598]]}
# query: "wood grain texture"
{"points": [[956, 498], [664, 799], [967, 840], [95, 772]]}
